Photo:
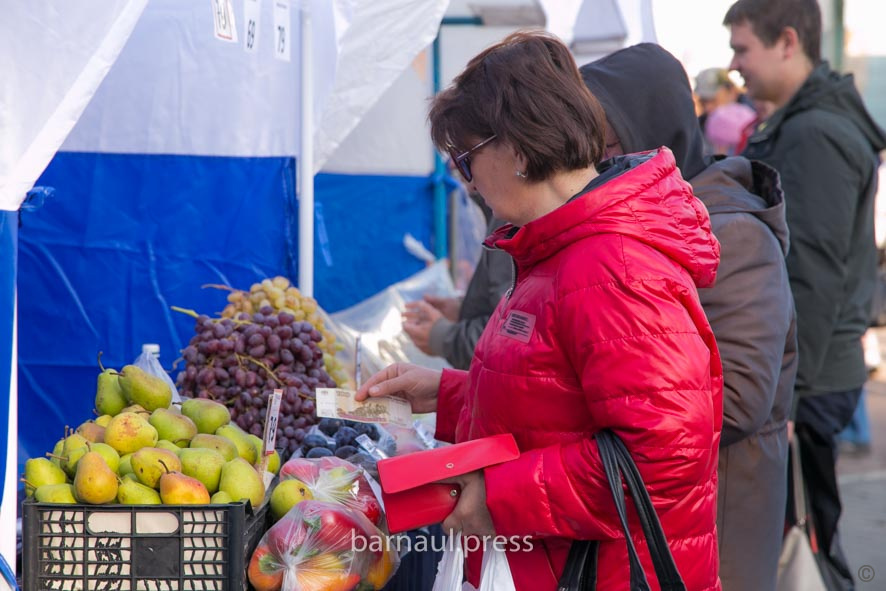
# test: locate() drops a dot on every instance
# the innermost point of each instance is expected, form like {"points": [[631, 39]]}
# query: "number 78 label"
{"points": [[282, 30]]}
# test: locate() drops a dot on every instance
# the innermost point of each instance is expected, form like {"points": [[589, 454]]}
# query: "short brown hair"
{"points": [[769, 18], [527, 91]]}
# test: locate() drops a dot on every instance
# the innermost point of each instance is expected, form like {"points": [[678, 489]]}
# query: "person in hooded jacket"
{"points": [[601, 329], [648, 102], [824, 143]]}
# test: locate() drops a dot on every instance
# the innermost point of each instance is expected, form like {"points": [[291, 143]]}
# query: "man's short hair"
{"points": [[769, 18]]}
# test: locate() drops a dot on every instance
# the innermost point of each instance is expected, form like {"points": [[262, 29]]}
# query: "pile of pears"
{"points": [[143, 450]]}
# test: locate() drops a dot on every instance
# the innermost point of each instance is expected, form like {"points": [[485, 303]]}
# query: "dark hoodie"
{"points": [[824, 143], [648, 102]]}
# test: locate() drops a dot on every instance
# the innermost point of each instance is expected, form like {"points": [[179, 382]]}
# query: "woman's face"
{"points": [[494, 170]]}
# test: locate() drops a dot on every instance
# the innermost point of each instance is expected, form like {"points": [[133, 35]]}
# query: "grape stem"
{"points": [[218, 286]]}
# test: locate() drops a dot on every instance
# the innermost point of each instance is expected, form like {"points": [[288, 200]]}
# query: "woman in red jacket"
{"points": [[602, 328]]}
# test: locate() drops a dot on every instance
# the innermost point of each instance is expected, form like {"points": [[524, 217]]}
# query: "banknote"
{"points": [[336, 403]]}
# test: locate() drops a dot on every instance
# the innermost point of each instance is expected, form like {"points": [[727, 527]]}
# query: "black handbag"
{"points": [[580, 573]]}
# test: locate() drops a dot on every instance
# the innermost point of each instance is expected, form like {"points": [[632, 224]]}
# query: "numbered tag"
{"points": [[271, 419], [282, 30], [223, 20], [252, 15]]}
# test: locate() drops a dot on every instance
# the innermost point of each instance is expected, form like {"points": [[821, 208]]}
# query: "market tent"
{"points": [[47, 84], [181, 171]]}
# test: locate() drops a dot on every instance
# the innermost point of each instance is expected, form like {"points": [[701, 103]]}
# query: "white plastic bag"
{"points": [[495, 574], [450, 569], [149, 363]]}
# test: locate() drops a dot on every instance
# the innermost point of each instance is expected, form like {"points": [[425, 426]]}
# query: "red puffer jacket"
{"points": [[603, 329]]}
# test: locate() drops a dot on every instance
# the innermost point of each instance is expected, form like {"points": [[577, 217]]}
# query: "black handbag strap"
{"points": [[580, 573]]}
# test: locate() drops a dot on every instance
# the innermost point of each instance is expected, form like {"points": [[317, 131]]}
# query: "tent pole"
{"points": [[306, 158]]}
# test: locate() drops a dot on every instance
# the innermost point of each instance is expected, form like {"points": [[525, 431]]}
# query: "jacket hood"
{"points": [[647, 201], [739, 185], [646, 95], [831, 91]]}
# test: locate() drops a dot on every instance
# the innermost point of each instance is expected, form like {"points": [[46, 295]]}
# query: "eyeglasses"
{"points": [[462, 161]]}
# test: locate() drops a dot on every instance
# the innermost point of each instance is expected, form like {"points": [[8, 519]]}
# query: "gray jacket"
{"points": [[751, 312], [455, 341]]}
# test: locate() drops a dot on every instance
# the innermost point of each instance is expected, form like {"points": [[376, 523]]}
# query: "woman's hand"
{"points": [[470, 516], [416, 384], [418, 320]]}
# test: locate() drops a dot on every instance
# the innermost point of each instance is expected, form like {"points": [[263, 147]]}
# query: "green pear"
{"points": [[203, 464], [131, 477], [92, 431], [108, 454], [125, 466], [109, 398], [150, 463], [103, 420], [176, 428], [166, 444], [137, 409], [74, 447], [178, 489], [273, 461], [240, 480], [245, 447], [287, 495], [221, 498], [220, 444], [40, 471], [129, 432], [55, 493], [207, 414], [56, 456], [132, 492], [95, 483], [142, 388]]}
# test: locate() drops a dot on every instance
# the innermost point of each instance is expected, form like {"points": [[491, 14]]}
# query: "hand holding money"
{"points": [[417, 385], [336, 403]]}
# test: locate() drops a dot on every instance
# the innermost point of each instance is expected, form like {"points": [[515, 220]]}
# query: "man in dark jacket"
{"points": [[824, 143], [648, 103]]}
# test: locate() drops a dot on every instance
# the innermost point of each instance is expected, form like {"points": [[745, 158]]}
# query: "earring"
{"points": [[520, 174]]}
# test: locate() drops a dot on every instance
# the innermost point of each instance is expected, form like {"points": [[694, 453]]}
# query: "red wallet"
{"points": [[411, 495]]}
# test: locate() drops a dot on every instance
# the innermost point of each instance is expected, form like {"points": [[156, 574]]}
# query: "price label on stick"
{"points": [[270, 437]]}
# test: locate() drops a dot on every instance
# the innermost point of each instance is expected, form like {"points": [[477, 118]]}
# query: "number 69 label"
{"points": [[252, 15], [281, 30]]}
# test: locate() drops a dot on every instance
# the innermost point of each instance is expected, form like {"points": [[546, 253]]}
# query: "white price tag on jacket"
{"points": [[223, 20], [252, 17], [282, 30], [336, 403]]}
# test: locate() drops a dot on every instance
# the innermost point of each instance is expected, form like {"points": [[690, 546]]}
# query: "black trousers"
{"points": [[819, 419]]}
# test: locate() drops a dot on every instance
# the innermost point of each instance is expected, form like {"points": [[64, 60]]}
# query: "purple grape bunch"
{"points": [[239, 362]]}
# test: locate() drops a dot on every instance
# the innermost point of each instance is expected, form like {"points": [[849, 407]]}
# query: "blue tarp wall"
{"points": [[125, 237]]}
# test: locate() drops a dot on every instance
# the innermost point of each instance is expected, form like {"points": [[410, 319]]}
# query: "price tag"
{"points": [[252, 15], [282, 30], [335, 403], [223, 20], [270, 438]]}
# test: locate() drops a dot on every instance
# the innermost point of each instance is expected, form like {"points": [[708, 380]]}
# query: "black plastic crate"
{"points": [[139, 548]]}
